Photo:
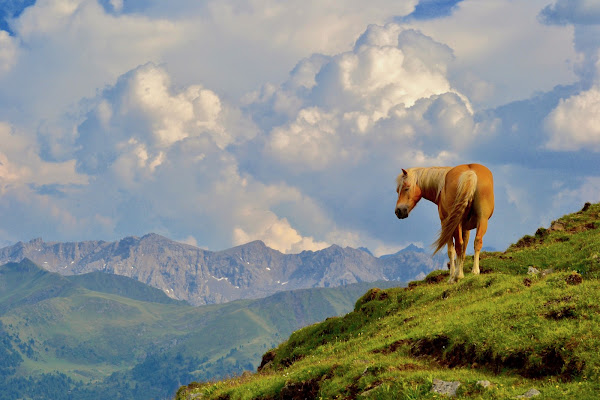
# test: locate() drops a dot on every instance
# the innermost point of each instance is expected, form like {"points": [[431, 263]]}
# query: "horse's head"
{"points": [[409, 194]]}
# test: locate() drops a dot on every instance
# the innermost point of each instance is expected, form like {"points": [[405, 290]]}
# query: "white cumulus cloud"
{"points": [[70, 48], [498, 62], [136, 121], [126, 117], [162, 155], [575, 123], [277, 233], [390, 91]]}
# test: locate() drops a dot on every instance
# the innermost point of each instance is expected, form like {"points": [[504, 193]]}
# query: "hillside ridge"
{"points": [[529, 323]]}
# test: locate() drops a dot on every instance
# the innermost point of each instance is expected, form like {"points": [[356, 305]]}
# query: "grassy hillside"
{"points": [[25, 283], [61, 339], [516, 330], [121, 285]]}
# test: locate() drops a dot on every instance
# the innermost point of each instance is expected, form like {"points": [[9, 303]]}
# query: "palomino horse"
{"points": [[465, 198]]}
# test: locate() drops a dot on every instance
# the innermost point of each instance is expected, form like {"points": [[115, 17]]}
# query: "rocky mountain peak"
{"points": [[36, 242], [413, 248], [254, 245]]}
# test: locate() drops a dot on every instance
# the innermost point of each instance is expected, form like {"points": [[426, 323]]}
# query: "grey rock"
{"points": [[445, 388], [484, 384], [533, 271], [547, 272], [529, 394], [368, 392]]}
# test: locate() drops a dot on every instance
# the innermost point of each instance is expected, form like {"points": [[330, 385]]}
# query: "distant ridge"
{"points": [[365, 250], [104, 282], [411, 248], [29, 284], [253, 270]]}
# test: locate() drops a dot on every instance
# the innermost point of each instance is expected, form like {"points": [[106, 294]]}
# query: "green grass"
{"points": [[517, 331]]}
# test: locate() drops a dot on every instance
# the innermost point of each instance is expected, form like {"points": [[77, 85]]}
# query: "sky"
{"points": [[219, 122]]}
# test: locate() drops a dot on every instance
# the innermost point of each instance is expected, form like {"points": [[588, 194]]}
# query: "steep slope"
{"points": [[500, 334], [122, 339], [199, 277]]}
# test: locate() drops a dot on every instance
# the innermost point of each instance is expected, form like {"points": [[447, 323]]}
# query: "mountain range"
{"points": [[198, 276]]}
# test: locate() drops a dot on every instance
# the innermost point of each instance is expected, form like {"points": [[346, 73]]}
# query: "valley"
{"points": [[102, 335]]}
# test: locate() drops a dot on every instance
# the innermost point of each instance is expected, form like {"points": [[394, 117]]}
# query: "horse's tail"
{"points": [[467, 184]]}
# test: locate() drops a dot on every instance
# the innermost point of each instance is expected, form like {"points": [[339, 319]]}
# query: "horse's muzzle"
{"points": [[402, 212]]}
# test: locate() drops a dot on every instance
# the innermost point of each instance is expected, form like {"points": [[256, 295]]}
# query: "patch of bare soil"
{"points": [[439, 278], [375, 294], [551, 362], [525, 241], [574, 279], [300, 390], [393, 347], [267, 360]]}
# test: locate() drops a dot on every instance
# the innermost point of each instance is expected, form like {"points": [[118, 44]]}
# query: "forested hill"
{"points": [[529, 325], [104, 336]]}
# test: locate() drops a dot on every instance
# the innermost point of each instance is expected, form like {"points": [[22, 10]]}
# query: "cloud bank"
{"points": [[219, 123]]}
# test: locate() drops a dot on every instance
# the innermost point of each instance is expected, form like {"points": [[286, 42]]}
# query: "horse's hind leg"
{"points": [[463, 253], [451, 257], [459, 247], [478, 243]]}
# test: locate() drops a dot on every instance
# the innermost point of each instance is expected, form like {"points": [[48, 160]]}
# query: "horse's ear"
{"points": [[404, 172]]}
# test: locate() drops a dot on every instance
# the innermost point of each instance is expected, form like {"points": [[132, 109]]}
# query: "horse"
{"points": [[465, 198]]}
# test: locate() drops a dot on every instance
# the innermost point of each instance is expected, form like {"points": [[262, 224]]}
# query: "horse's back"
{"points": [[483, 202], [481, 170]]}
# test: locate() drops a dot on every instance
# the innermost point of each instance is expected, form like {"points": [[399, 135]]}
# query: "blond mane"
{"points": [[427, 178]]}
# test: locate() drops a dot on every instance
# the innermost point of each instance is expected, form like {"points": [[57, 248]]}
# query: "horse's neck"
{"points": [[430, 193], [430, 183]]}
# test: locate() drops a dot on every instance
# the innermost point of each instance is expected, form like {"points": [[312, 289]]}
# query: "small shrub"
{"points": [[541, 233]]}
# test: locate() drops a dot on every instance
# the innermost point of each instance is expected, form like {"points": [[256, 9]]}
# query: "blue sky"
{"points": [[220, 122]]}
